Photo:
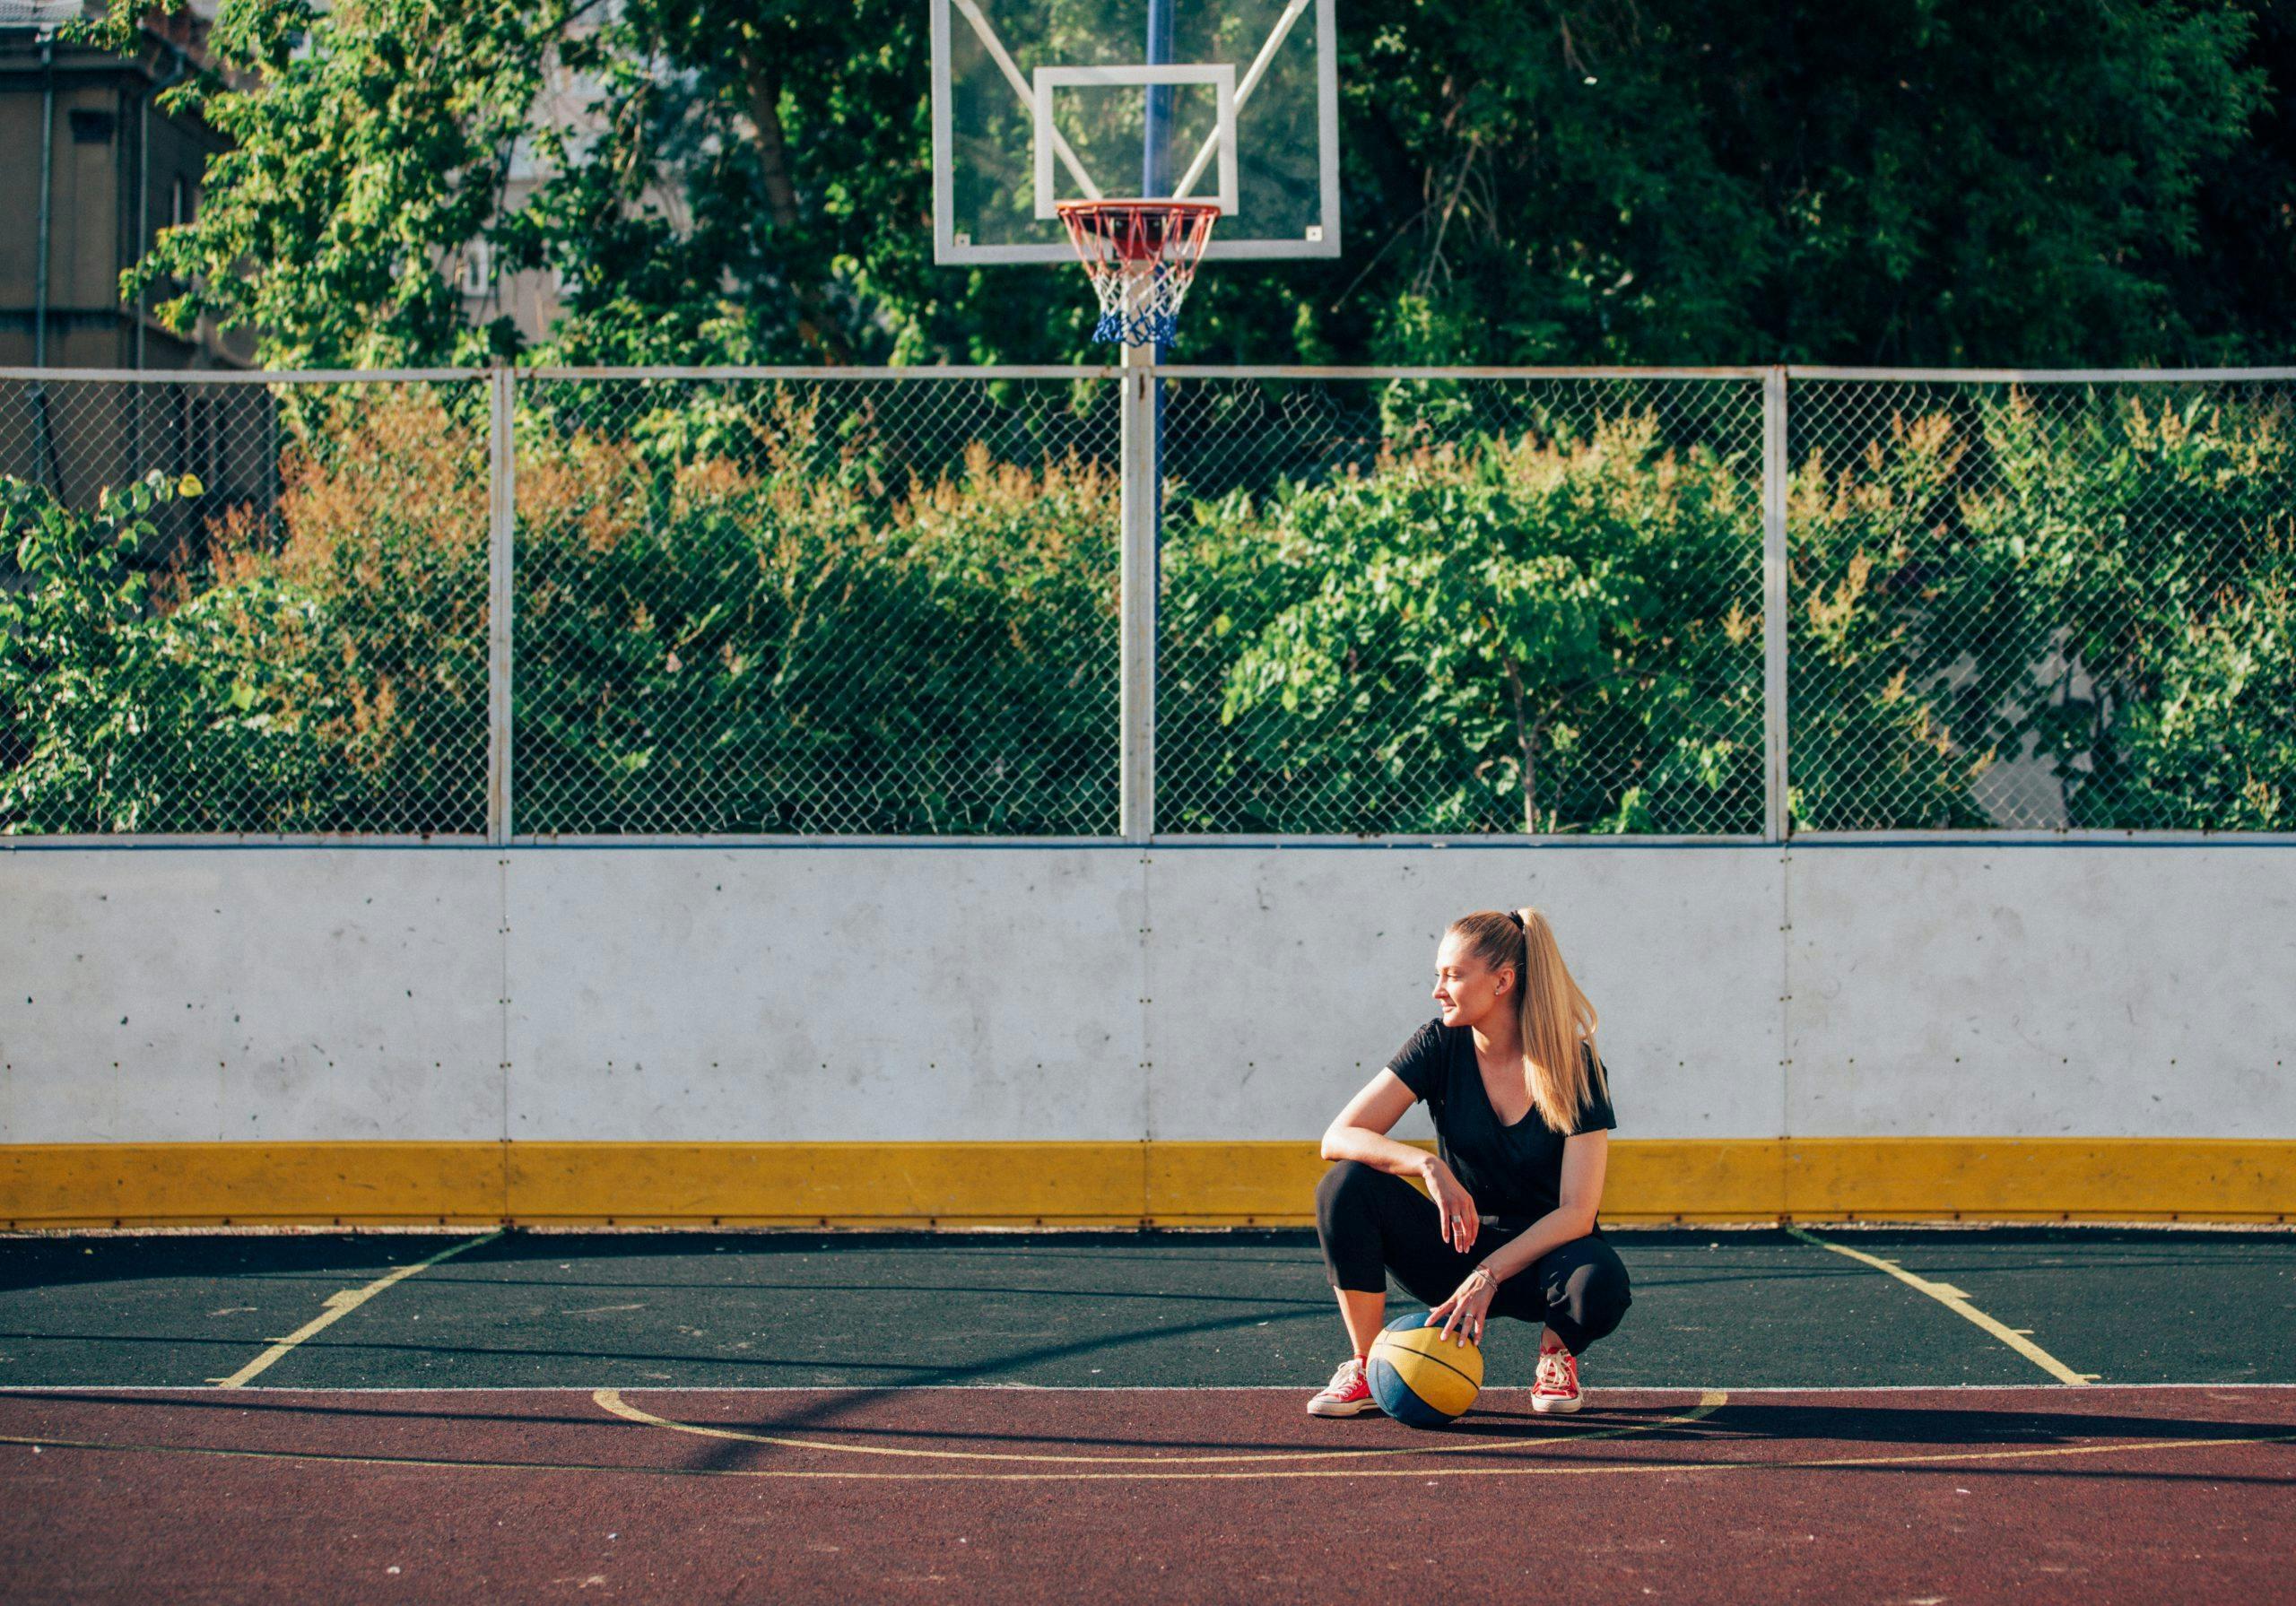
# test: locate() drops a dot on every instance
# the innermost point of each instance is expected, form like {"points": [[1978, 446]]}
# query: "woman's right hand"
{"points": [[1460, 1219]]}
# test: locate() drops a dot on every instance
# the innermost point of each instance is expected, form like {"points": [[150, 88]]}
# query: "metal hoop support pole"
{"points": [[501, 527], [1137, 561], [1142, 491], [1774, 601]]}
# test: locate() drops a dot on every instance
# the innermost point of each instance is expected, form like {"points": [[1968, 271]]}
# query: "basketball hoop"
{"points": [[1142, 256]]}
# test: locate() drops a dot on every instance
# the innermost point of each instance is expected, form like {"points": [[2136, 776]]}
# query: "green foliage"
{"points": [[376, 146], [734, 617], [2157, 538], [1938, 182], [76, 638], [748, 627], [1944, 181], [1526, 633], [1880, 735], [328, 677], [124, 709], [2096, 584], [724, 622]]}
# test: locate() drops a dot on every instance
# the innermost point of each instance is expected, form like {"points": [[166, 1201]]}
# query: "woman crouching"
{"points": [[1522, 1109]]}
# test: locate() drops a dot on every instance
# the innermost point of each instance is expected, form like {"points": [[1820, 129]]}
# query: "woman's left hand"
{"points": [[1464, 1310]]}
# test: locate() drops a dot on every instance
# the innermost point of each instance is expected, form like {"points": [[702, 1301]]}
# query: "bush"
{"points": [[2099, 586], [1525, 633], [752, 620], [321, 670], [773, 634], [94, 691]]}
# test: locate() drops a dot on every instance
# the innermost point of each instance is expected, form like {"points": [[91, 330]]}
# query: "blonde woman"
{"points": [[1522, 1109]]}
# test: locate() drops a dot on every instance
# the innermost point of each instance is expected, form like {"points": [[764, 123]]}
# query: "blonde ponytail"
{"points": [[1561, 1066]]}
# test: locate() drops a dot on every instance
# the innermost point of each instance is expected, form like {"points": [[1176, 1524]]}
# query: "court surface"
{"points": [[1840, 1413]]}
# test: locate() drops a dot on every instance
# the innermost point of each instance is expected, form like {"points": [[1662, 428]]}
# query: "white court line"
{"points": [[341, 1304], [611, 1400], [1733, 1390], [1958, 1302], [1070, 1475]]}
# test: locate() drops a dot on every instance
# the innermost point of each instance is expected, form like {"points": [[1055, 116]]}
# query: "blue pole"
{"points": [[1152, 181], [1155, 175], [1155, 180]]}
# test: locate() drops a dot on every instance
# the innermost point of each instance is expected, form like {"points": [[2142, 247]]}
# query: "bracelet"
{"points": [[1486, 1274]]}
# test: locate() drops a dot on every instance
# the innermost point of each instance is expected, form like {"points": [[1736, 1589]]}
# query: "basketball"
{"points": [[1419, 1378]]}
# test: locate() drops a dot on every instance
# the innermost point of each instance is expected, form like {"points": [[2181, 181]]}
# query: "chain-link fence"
{"points": [[2042, 605], [235, 607], [841, 603], [855, 605], [1399, 606]]}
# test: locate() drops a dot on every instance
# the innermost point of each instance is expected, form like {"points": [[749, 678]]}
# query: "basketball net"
{"points": [[1142, 256]]}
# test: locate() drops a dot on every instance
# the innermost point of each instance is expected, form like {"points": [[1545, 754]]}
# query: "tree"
{"points": [[371, 143], [1944, 181]]}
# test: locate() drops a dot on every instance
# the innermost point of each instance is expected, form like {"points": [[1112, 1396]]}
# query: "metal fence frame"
{"points": [[1139, 572]]}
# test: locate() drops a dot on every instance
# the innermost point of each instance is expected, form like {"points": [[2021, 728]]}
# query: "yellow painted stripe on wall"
{"points": [[84, 1185], [1177, 1184], [2144, 1178], [901, 1182]]}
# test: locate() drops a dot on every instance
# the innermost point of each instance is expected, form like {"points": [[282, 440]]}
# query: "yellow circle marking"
{"points": [[610, 1399], [1541, 1469]]}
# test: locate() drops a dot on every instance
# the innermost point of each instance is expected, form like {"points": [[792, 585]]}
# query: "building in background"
{"points": [[96, 168], [117, 169], [530, 300]]}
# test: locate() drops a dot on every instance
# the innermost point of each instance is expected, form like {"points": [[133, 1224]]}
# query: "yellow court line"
{"points": [[341, 1304], [1599, 1469], [1958, 1302], [610, 1399]]}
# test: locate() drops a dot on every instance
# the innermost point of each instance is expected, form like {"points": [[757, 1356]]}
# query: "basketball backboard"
{"points": [[1036, 102]]}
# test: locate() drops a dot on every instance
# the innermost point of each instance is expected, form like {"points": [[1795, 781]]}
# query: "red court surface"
{"points": [[1923, 1497]]}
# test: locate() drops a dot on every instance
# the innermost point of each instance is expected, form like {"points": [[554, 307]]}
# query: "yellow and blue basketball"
{"points": [[1419, 1378]]}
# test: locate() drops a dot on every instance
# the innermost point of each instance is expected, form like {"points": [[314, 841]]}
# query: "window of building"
{"points": [[478, 268]]}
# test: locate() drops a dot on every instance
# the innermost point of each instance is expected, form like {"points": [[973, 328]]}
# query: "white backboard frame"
{"points": [[1222, 78], [1319, 240]]}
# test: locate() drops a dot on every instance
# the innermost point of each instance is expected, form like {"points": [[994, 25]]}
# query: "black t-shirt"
{"points": [[1510, 1171]]}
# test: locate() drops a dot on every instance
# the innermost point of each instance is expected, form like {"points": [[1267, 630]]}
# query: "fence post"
{"points": [[501, 521], [1137, 580], [1775, 823]]}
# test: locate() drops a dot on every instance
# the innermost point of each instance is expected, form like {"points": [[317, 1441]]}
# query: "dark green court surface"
{"points": [[1719, 1308]]}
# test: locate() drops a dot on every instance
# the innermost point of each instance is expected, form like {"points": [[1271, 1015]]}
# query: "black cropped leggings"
{"points": [[1373, 1222]]}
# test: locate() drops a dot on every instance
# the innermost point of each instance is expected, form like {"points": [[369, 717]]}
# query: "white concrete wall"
{"points": [[2043, 992], [694, 993], [1101, 992], [1284, 979], [207, 995]]}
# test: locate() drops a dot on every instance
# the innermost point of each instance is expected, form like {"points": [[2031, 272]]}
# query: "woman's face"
{"points": [[1468, 991]]}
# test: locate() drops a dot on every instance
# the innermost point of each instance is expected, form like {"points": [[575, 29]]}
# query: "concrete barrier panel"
{"points": [[2084, 991], [825, 993], [1012, 1034], [160, 996]]}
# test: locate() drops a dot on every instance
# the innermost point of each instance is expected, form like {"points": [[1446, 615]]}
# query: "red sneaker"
{"points": [[1557, 1389], [1346, 1394]]}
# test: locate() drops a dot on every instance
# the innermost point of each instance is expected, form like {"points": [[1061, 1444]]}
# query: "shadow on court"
{"points": [[1023, 1417], [1500, 1419], [1029, 1494], [1739, 1309]]}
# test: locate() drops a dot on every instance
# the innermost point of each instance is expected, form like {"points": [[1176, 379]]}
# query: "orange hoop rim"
{"points": [[1187, 225]]}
